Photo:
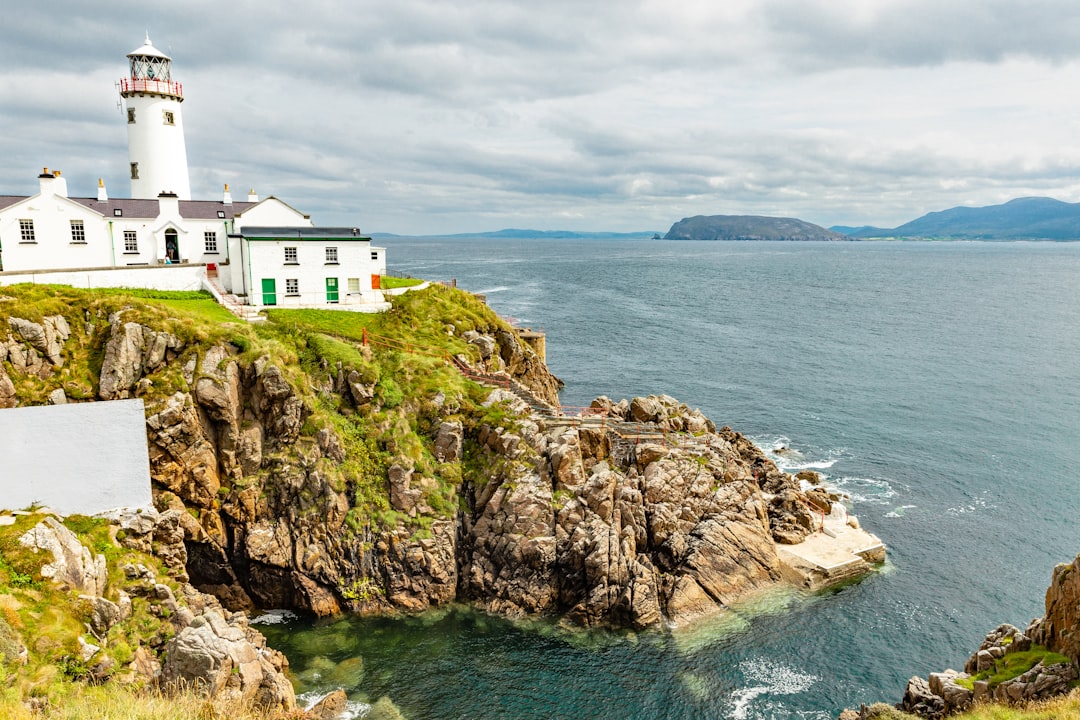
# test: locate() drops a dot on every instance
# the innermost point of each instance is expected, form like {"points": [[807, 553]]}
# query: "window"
{"points": [[374, 254], [134, 171], [131, 242], [354, 285], [292, 286], [78, 232], [117, 212], [131, 115], [290, 256], [26, 231], [211, 241], [331, 256], [221, 214], [169, 119]]}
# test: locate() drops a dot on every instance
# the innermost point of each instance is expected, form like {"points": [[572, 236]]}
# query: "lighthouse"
{"points": [[157, 155]]}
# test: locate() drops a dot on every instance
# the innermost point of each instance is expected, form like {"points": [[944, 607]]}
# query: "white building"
{"points": [[241, 248]]}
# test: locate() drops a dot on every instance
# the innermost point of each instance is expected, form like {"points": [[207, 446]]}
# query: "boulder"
{"points": [[229, 662], [330, 707], [73, 565]]}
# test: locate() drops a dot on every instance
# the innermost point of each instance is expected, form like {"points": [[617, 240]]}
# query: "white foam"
{"points": [[488, 291], [769, 678], [979, 503], [274, 617], [874, 491], [899, 512], [354, 709]]}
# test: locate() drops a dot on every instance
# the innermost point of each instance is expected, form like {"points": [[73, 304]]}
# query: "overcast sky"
{"points": [[427, 117]]}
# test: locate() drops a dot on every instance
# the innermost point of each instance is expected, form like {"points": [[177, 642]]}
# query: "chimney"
{"points": [[252, 197], [168, 205], [227, 197], [102, 195], [61, 184], [47, 183]]}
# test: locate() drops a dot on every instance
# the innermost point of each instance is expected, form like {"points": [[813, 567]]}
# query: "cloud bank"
{"points": [[427, 116]]}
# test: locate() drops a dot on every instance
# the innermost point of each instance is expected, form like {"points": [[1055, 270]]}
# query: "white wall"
{"points": [[158, 147], [152, 277], [78, 458], [266, 259]]}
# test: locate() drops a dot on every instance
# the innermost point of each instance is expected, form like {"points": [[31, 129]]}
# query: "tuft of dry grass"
{"points": [[113, 701]]}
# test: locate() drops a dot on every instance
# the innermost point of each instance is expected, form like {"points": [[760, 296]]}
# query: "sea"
{"points": [[935, 384]]}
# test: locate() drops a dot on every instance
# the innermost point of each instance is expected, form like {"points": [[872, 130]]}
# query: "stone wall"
{"points": [[76, 458]]}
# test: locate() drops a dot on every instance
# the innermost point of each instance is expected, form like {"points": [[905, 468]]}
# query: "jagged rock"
{"points": [[448, 439], [484, 343], [1003, 639], [1060, 627], [132, 350], [229, 662], [58, 397], [73, 565], [103, 614], [329, 707], [403, 497], [919, 699], [8, 398], [182, 457]]}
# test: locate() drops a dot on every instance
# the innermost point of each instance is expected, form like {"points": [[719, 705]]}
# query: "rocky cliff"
{"points": [[310, 469], [1011, 666]]}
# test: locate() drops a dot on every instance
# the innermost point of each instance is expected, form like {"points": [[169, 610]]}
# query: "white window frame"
{"points": [[292, 287], [26, 232], [210, 238], [291, 256], [131, 242], [78, 232], [332, 255], [353, 285]]}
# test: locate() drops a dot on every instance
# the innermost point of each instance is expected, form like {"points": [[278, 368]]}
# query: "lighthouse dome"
{"points": [[147, 49]]}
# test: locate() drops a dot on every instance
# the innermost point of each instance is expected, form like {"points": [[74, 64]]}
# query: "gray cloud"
{"points": [[425, 116]]}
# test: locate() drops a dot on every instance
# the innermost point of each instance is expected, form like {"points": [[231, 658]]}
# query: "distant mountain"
{"points": [[515, 233], [748, 227], [1030, 218]]}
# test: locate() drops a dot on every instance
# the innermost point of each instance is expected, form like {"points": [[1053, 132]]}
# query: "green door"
{"points": [[331, 290], [269, 291]]}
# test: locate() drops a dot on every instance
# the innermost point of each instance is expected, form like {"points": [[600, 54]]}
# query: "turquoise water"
{"points": [[936, 383]]}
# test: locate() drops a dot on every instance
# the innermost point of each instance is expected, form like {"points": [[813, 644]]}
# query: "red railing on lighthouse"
{"points": [[158, 87]]}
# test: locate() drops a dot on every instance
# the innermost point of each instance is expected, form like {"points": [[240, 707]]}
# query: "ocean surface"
{"points": [[937, 384]]}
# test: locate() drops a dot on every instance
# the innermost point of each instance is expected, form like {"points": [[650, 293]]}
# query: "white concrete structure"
{"points": [[308, 267], [82, 458], [157, 155], [160, 225]]}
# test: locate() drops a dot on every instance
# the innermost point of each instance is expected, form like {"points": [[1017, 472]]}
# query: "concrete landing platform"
{"points": [[837, 552]]}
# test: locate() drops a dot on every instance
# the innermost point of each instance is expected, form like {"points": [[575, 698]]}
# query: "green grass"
{"points": [[389, 282], [1013, 665]]}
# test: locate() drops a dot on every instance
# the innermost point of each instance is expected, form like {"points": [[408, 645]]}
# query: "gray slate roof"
{"points": [[148, 209]]}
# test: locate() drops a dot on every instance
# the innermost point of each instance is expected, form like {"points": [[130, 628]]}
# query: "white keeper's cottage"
{"points": [[257, 253]]}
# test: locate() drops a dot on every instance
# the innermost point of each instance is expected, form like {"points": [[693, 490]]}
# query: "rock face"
{"points": [[1059, 629], [644, 513], [212, 649]]}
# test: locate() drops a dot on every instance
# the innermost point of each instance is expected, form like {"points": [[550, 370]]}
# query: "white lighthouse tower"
{"points": [[156, 150]]}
